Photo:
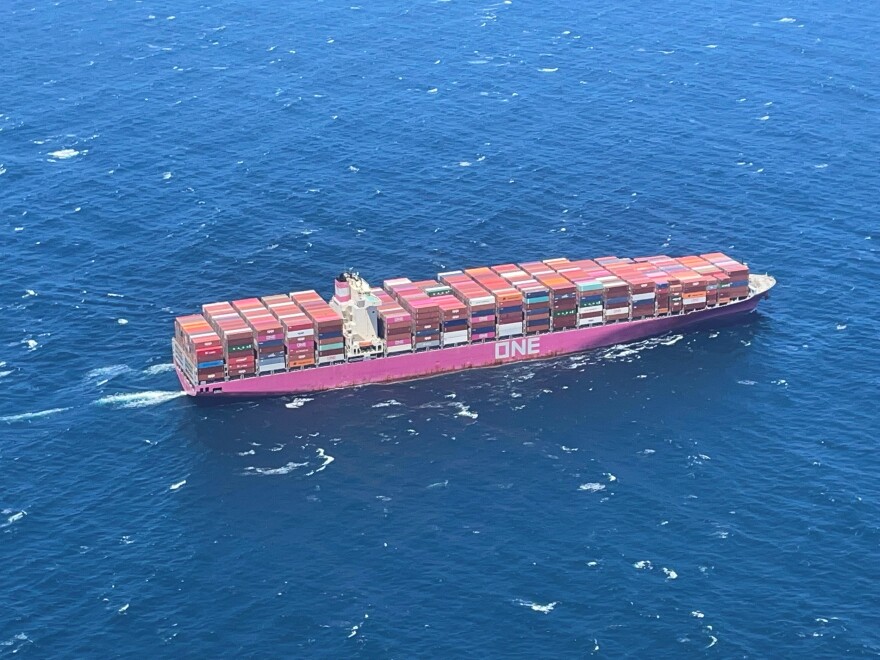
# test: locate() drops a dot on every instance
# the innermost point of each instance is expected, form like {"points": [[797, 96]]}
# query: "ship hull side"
{"points": [[408, 366]]}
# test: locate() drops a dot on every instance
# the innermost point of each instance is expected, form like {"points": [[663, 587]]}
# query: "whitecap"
{"points": [[438, 484], [327, 460], [106, 373], [464, 411], [14, 518], [32, 415], [787, 19], [122, 321], [821, 166], [712, 46], [670, 574], [29, 293], [298, 402], [537, 607], [648, 452], [154, 369], [643, 564], [610, 476], [764, 118], [464, 163], [591, 487], [284, 469], [549, 69], [32, 344], [178, 485], [386, 404], [115, 295], [841, 326], [568, 450], [139, 399], [123, 609], [63, 154], [433, 90], [697, 614], [166, 176], [746, 382]]}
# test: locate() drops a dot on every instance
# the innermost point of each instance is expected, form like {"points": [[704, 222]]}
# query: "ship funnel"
{"points": [[342, 290]]}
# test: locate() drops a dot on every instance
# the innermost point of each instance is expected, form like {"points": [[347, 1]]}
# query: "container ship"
{"points": [[464, 319]]}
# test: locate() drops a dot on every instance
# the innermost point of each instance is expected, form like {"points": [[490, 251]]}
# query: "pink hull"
{"points": [[437, 361]]}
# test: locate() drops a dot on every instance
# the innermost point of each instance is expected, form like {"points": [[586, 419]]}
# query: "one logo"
{"points": [[514, 347]]}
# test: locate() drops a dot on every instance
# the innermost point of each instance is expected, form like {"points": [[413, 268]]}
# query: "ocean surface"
{"points": [[709, 494]]}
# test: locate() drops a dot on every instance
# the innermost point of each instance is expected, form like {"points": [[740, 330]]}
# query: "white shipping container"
{"points": [[331, 358], [301, 333], [450, 338], [510, 326], [428, 344], [623, 311], [694, 301], [483, 300], [399, 349], [589, 321], [643, 296]]}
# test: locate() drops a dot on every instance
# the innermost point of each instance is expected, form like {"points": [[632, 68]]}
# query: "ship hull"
{"points": [[409, 366]]}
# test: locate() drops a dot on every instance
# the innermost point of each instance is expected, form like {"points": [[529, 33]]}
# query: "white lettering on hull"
{"points": [[516, 347]]}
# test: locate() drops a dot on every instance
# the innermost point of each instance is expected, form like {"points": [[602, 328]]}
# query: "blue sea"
{"points": [[708, 494]]}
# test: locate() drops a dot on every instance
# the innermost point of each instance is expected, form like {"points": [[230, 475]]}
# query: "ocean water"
{"points": [[708, 494]]}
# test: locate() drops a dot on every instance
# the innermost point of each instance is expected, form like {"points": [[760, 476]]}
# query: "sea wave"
{"points": [[159, 368], [32, 415], [139, 399]]}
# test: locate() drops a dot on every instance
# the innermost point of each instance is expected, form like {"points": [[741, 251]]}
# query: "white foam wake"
{"points": [[64, 154], [464, 411], [284, 469], [159, 369], [537, 607], [139, 399], [106, 373], [298, 403], [32, 415], [591, 488], [386, 404], [327, 460]]}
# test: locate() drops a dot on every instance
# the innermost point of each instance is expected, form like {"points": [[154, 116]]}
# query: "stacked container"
{"points": [[268, 333], [424, 310], [563, 299], [536, 312], [299, 331], [508, 320], [615, 290], [197, 350], [480, 304], [737, 272], [453, 312], [590, 291], [237, 338], [327, 324], [395, 324]]}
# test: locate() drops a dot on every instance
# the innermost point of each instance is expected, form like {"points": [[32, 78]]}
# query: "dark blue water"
{"points": [[709, 494]]}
